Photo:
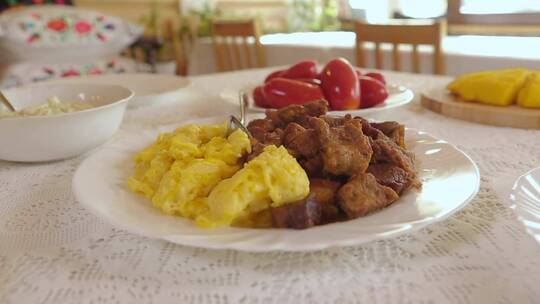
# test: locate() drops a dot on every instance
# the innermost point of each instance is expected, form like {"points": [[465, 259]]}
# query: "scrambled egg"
{"points": [[196, 172], [272, 179]]}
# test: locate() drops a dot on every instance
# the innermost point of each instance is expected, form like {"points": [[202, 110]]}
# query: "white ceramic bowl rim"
{"points": [[128, 95]]}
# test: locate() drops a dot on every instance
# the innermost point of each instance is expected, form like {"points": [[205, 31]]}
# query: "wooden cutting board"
{"points": [[442, 102]]}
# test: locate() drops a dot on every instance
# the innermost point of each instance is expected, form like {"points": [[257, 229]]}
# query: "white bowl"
{"points": [[55, 137]]}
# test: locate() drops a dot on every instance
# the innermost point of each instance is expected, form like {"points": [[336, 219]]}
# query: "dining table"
{"points": [[54, 250]]}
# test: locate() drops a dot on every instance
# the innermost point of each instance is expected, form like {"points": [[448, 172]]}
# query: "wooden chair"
{"points": [[415, 34], [231, 39]]}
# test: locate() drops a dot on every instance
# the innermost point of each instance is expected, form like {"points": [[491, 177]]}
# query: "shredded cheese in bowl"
{"points": [[52, 107]]}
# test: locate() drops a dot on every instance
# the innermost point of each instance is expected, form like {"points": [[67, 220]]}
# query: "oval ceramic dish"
{"points": [[450, 180]]}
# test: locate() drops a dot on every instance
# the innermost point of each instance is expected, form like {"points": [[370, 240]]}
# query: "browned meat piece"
{"points": [[274, 138], [337, 121], [264, 124], [316, 108], [300, 142], [292, 113], [387, 151], [260, 127], [299, 114], [362, 195], [258, 133], [345, 150], [299, 215], [393, 130], [263, 139], [313, 166], [273, 116], [256, 149], [368, 129], [390, 176], [324, 191]]}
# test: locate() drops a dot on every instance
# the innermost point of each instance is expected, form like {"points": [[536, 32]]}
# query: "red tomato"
{"points": [[281, 92], [340, 85], [273, 75], [314, 81], [258, 97], [373, 92], [377, 76], [303, 69]]}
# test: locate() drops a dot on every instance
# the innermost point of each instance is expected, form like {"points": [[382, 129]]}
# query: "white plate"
{"points": [[450, 180], [397, 96], [148, 89], [526, 201]]}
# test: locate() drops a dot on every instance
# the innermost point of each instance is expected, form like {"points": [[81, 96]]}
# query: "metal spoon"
{"points": [[6, 102], [234, 122]]}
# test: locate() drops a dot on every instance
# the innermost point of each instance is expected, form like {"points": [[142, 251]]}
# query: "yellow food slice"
{"points": [[498, 87], [529, 95]]}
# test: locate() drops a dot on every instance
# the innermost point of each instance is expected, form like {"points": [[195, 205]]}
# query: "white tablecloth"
{"points": [[54, 251], [462, 53]]}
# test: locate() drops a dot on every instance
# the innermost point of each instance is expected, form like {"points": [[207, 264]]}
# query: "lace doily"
{"points": [[53, 251]]}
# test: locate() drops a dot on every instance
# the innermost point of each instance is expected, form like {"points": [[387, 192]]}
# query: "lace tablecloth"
{"points": [[54, 251]]}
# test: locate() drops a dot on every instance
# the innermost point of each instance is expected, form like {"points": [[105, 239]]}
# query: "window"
{"points": [[422, 8], [381, 10], [482, 7]]}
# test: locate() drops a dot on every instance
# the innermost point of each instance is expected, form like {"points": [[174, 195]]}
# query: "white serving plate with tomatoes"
{"points": [[345, 87], [450, 180], [397, 96]]}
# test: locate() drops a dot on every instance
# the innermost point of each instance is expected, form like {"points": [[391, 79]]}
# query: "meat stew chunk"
{"points": [[362, 195], [345, 150], [391, 176], [300, 142], [299, 215], [393, 130], [324, 191]]}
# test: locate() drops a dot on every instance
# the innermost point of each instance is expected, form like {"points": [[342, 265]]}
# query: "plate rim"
{"points": [[413, 226], [521, 213]]}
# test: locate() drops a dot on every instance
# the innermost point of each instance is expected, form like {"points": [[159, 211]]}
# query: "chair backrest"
{"points": [[237, 45], [397, 34]]}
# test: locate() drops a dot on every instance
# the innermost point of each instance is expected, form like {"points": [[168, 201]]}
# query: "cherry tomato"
{"points": [[258, 97], [340, 85], [314, 81], [273, 75], [281, 92], [373, 92], [377, 76], [303, 69]]}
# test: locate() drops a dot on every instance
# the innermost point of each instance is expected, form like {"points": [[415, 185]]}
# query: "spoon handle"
{"points": [[243, 106], [6, 102]]}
